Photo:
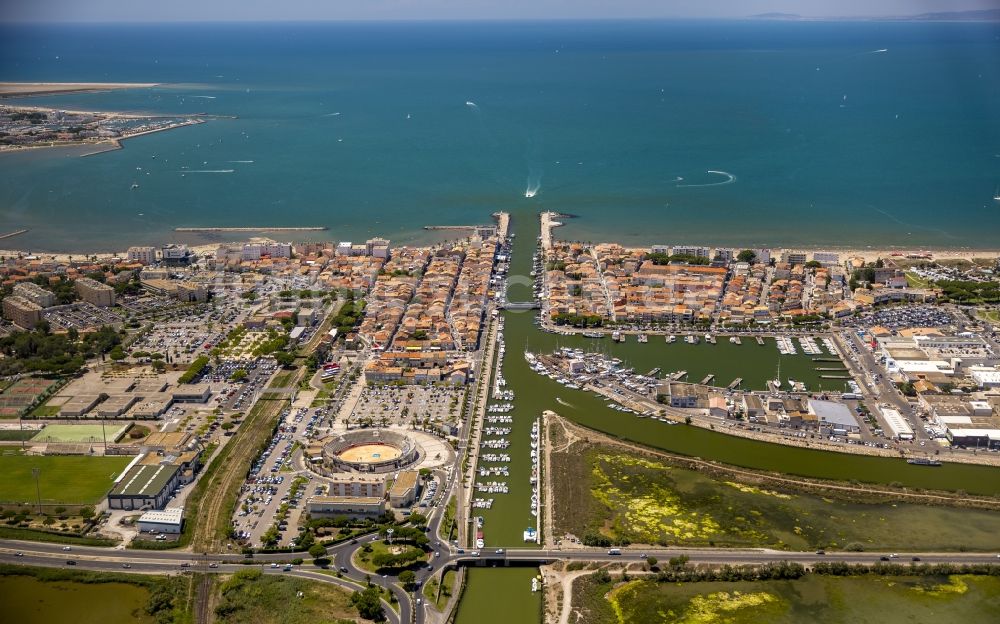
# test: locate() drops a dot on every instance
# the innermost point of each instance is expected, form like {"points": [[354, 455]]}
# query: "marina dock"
{"points": [[735, 384], [760, 341], [707, 379], [678, 375]]}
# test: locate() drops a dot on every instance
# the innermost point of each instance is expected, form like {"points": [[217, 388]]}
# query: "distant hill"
{"points": [[989, 15], [777, 16]]}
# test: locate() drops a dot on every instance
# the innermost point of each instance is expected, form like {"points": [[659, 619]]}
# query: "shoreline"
{"points": [[945, 253]]}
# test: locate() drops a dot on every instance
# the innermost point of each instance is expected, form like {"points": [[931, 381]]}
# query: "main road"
{"points": [[353, 578]]}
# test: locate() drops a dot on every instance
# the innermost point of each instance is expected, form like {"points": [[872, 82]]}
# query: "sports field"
{"points": [[78, 433], [63, 479]]}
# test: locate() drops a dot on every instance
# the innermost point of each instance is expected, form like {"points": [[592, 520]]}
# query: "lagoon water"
{"points": [[718, 132]]}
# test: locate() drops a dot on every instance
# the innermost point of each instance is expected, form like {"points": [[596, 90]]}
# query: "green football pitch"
{"points": [[61, 479]]}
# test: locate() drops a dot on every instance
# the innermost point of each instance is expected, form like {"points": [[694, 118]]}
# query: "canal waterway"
{"points": [[500, 596], [505, 522]]}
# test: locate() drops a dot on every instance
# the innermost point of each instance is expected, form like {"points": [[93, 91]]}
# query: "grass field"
{"points": [[78, 433], [645, 500], [249, 596], [63, 479], [992, 316], [812, 598]]}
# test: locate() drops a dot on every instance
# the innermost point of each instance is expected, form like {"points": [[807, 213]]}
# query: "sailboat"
{"points": [[777, 378], [996, 194]]}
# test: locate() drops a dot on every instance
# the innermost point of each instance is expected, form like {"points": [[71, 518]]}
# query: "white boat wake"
{"points": [[331, 115], [472, 105], [561, 402], [204, 97], [240, 161], [208, 171], [730, 178]]}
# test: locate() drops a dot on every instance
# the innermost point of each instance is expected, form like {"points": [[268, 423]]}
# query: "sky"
{"points": [[267, 10]]}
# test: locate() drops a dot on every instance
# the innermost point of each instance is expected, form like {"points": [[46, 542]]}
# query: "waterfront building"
{"points": [[691, 250], [95, 293], [377, 247], [256, 251], [827, 257], [22, 312], [176, 255], [836, 417], [142, 255], [793, 257]]}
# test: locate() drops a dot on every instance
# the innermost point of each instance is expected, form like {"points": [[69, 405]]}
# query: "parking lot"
{"points": [[273, 492], [80, 316], [237, 395], [400, 405], [902, 317], [181, 342]]}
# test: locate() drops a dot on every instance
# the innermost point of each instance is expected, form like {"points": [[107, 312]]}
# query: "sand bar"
{"points": [[23, 89]]}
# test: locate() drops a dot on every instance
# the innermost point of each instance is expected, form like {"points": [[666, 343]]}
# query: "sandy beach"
{"points": [[26, 89]]}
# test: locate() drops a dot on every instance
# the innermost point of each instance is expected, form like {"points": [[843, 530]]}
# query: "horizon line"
{"points": [[792, 18]]}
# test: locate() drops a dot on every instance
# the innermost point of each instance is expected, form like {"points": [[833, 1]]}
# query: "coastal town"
{"points": [[385, 383]]}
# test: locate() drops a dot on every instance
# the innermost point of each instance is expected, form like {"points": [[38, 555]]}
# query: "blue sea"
{"points": [[715, 132]]}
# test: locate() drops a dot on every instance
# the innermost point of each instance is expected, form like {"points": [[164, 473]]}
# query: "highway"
{"points": [[166, 562]]}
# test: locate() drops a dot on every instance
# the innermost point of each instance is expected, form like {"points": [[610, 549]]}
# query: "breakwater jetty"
{"points": [[13, 234], [318, 228]]}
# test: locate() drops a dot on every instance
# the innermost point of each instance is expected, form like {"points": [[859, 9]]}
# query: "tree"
{"points": [[651, 561], [407, 577], [284, 358], [117, 354], [317, 551], [368, 604], [747, 255]]}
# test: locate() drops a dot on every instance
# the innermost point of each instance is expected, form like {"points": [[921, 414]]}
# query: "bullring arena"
{"points": [[370, 450], [370, 453]]}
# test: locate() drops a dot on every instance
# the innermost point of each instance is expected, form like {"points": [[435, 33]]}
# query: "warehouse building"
{"points": [[145, 486], [166, 521]]}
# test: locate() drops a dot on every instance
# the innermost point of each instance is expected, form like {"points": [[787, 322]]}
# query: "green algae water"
{"points": [[500, 596], [813, 598], [30, 601]]}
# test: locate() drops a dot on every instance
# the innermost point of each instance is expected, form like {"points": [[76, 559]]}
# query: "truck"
{"points": [[615, 551]]}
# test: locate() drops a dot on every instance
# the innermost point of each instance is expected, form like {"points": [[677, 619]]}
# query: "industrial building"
{"points": [[836, 417], [166, 521], [898, 427], [145, 486]]}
